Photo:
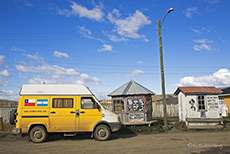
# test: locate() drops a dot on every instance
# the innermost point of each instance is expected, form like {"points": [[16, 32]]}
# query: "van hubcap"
{"points": [[38, 134], [102, 133]]}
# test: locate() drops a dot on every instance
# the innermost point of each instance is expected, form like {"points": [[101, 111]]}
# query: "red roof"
{"points": [[198, 90]]}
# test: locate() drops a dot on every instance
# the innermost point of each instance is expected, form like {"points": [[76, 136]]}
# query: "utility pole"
{"points": [[162, 69]]}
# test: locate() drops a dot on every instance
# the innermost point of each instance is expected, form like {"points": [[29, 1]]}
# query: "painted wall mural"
{"points": [[136, 104]]}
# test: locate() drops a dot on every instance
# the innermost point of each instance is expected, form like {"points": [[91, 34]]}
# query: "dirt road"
{"points": [[177, 142]]}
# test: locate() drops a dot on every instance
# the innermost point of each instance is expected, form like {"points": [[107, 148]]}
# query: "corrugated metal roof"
{"points": [[225, 90], [54, 89], [198, 90], [130, 88]]}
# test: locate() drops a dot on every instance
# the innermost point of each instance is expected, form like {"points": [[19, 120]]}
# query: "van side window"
{"points": [[62, 103], [88, 103]]}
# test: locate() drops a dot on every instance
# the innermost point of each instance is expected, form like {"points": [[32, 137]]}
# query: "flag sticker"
{"points": [[30, 102], [42, 102]]}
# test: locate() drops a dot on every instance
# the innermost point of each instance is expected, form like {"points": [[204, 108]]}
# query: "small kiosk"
{"points": [[199, 107], [133, 103]]}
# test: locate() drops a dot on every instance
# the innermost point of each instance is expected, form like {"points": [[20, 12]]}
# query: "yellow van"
{"points": [[66, 108]]}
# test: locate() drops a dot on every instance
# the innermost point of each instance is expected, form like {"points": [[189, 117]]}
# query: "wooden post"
{"points": [[162, 76]]}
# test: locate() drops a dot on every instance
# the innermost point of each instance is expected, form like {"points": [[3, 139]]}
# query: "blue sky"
{"points": [[105, 43]]}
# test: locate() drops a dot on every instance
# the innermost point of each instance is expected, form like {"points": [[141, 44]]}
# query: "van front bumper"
{"points": [[16, 131], [115, 126]]}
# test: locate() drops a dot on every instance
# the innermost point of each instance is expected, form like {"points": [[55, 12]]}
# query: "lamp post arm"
{"points": [[164, 19]]}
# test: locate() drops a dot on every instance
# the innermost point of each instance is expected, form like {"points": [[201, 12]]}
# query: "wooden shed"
{"points": [[133, 103]]}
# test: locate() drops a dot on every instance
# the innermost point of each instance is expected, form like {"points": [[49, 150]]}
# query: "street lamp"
{"points": [[162, 68]]}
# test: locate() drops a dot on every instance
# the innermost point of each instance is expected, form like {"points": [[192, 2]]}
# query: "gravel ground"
{"points": [[173, 142]]}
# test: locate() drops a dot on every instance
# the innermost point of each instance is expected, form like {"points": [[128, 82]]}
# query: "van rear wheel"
{"points": [[38, 134], [102, 133]]}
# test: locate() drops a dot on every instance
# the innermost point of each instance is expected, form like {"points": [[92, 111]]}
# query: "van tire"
{"points": [[38, 134], [12, 116], [102, 132]]}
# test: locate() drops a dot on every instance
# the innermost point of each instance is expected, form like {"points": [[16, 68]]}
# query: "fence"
{"points": [[157, 109], [5, 108], [5, 113], [172, 110]]}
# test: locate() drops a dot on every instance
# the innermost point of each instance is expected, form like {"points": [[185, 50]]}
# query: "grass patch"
{"points": [[6, 130], [7, 127], [4, 133], [227, 122], [141, 129]]}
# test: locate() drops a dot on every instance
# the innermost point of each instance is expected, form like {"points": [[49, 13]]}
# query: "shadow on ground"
{"points": [[87, 136], [122, 133]]}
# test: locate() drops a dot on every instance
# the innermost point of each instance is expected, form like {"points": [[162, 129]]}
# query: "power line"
{"points": [[66, 32]]}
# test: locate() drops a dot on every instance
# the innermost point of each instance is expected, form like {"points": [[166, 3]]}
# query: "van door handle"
{"points": [[72, 112], [82, 112], [53, 112]]}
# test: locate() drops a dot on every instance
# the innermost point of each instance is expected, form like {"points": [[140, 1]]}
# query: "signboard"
{"points": [[136, 117], [212, 102]]}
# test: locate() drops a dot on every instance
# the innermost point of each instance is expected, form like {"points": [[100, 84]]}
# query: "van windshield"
{"points": [[98, 102]]}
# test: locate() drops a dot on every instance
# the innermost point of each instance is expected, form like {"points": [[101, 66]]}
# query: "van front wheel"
{"points": [[38, 134], [102, 133]]}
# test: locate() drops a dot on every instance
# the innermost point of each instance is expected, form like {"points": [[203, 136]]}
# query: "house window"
{"points": [[88, 103], [221, 100], [62, 103], [201, 102], [118, 105]]}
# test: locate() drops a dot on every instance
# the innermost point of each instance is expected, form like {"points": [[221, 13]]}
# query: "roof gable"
{"points": [[197, 90], [131, 88]]}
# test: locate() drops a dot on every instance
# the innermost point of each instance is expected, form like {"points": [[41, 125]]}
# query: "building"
{"points": [[224, 101], [133, 103], [199, 106]]}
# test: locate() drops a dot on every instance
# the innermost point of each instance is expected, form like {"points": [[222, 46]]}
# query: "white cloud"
{"points": [[114, 38], [8, 94], [60, 54], [48, 68], [2, 62], [106, 47], [4, 73], [196, 31], [84, 31], [17, 49], [221, 77], [191, 11], [213, 1], [56, 74], [202, 31], [203, 44], [3, 83], [87, 34], [136, 73], [129, 26], [35, 57], [28, 3], [140, 62], [82, 11]]}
